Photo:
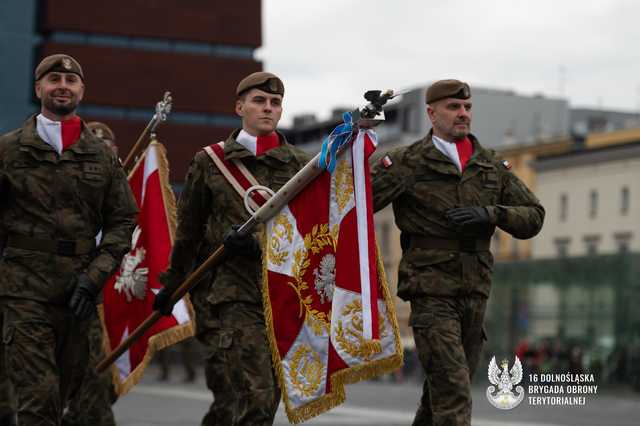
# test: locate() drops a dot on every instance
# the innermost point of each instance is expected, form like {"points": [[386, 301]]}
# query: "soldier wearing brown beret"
{"points": [[105, 133], [228, 305], [449, 194], [59, 186]]}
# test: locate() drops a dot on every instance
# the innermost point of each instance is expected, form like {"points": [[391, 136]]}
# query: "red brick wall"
{"points": [[212, 21], [134, 78], [181, 140]]}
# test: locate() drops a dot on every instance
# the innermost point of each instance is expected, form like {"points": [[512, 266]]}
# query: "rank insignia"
{"points": [[386, 161]]}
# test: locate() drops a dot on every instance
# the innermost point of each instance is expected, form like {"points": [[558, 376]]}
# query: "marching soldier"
{"points": [[59, 186], [449, 194], [91, 405], [229, 314]]}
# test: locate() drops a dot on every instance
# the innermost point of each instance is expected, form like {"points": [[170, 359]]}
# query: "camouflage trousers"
{"points": [[7, 405], [91, 406], [238, 365], [449, 337], [46, 353]]}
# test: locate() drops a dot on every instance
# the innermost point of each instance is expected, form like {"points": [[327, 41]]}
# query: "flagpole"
{"points": [[367, 117], [163, 108]]}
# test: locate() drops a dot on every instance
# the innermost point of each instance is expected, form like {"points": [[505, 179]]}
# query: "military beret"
{"points": [[448, 89], [264, 81], [101, 130], [59, 63]]}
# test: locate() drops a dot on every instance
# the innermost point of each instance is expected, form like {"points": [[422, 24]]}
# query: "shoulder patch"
{"points": [[506, 164], [386, 162]]}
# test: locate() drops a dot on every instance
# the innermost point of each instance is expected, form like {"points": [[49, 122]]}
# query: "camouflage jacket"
{"points": [[68, 196], [207, 209], [422, 183]]}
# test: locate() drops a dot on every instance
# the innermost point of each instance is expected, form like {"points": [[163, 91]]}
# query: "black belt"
{"points": [[466, 245], [59, 247]]}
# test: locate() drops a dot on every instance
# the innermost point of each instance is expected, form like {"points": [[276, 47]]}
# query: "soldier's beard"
{"points": [[58, 108]]}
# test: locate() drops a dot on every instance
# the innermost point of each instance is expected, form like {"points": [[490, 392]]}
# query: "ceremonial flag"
{"points": [[129, 294], [329, 313]]}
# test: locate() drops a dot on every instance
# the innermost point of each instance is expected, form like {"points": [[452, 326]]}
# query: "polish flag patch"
{"points": [[386, 161]]}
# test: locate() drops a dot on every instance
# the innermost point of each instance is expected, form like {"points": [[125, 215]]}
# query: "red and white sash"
{"points": [[237, 174]]}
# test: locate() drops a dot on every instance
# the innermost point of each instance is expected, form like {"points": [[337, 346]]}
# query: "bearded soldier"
{"points": [[59, 186], [449, 194], [229, 314], [91, 405]]}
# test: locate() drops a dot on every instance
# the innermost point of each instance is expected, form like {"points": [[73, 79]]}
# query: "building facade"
{"points": [[132, 51]]}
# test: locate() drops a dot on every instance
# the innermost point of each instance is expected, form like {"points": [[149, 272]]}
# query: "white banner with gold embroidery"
{"points": [[330, 315]]}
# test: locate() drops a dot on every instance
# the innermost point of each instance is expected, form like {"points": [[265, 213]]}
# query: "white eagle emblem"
{"points": [[505, 399], [325, 281], [133, 280]]}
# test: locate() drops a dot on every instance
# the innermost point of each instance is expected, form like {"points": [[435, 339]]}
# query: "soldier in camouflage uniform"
{"points": [[229, 312], [448, 195], [59, 186], [91, 405]]}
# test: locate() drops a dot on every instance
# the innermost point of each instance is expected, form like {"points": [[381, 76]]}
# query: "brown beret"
{"points": [[264, 81], [58, 63], [448, 89], [101, 130]]}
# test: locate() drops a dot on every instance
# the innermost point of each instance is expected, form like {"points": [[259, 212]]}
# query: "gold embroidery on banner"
{"points": [[282, 229], [306, 363], [344, 184], [345, 336], [318, 239]]}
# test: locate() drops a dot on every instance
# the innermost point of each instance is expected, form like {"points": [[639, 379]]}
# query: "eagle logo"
{"points": [[133, 279], [505, 380]]}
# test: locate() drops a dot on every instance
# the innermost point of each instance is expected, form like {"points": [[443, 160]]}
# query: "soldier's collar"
{"points": [[233, 149]]}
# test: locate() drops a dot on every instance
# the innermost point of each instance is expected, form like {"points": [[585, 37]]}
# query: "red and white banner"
{"points": [[129, 294], [330, 315]]}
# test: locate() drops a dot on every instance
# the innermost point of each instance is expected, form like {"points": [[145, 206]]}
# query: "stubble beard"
{"points": [[59, 109]]}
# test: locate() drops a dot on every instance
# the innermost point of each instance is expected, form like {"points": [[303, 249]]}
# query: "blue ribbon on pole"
{"points": [[338, 137]]}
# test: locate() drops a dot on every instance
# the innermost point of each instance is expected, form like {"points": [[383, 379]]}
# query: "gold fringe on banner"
{"points": [[341, 378], [174, 334]]}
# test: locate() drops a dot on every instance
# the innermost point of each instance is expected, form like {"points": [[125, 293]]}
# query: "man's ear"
{"points": [[239, 105], [38, 89]]}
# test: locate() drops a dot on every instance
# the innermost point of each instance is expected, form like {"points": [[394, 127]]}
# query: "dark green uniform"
{"points": [[91, 405], [52, 206], [445, 272], [229, 312]]}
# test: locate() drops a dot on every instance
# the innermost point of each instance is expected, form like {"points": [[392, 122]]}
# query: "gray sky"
{"points": [[329, 52]]}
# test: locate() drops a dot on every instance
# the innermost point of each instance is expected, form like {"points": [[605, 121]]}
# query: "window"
{"points": [[624, 201], [562, 246], [591, 242], [623, 241], [593, 203], [564, 207]]}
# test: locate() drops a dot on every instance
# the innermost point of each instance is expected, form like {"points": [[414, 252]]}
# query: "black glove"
{"points": [[171, 281], [236, 244], [83, 298], [468, 217]]}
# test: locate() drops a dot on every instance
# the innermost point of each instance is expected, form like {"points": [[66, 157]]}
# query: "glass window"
{"points": [[624, 200], [593, 203], [564, 207]]}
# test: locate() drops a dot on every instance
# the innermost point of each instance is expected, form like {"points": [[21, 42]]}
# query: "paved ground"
{"points": [[154, 403]]}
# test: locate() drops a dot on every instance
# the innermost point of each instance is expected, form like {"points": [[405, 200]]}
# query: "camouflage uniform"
{"points": [[444, 273], [61, 201], [92, 403], [229, 312]]}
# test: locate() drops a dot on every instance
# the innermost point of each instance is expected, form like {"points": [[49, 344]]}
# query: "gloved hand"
{"points": [[467, 217], [83, 298], [236, 244], [171, 281]]}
